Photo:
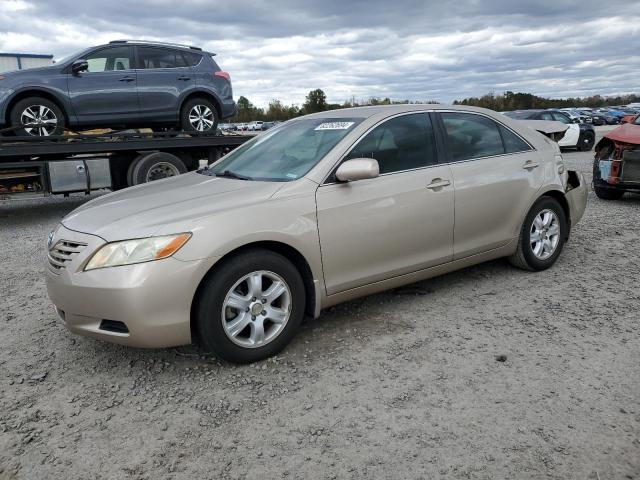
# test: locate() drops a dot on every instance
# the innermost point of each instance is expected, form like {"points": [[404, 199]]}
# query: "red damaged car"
{"points": [[616, 168]]}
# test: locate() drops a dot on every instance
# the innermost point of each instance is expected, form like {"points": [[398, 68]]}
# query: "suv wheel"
{"points": [[199, 115], [37, 117], [542, 236], [251, 307]]}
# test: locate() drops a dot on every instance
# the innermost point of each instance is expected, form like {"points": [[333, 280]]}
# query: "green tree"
{"points": [[316, 101]]}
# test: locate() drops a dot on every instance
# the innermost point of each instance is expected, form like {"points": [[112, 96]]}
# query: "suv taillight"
{"points": [[222, 74]]}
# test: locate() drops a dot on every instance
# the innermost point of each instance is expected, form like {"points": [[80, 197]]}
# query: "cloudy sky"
{"points": [[405, 49]]}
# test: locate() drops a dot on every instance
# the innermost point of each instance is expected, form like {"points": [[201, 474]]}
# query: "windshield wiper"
{"points": [[230, 174]]}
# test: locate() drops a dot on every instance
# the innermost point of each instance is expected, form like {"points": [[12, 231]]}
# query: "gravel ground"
{"points": [[487, 373]]}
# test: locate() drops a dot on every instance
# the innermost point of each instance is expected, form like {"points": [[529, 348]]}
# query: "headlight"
{"points": [[140, 250]]}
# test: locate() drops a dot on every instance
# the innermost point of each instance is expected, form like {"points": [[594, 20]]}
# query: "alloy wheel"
{"points": [[201, 118], [39, 120], [544, 234], [256, 309]]}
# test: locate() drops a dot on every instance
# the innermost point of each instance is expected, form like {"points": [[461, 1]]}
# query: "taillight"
{"points": [[222, 74], [614, 174]]}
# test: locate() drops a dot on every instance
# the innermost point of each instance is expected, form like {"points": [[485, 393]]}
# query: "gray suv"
{"points": [[126, 83]]}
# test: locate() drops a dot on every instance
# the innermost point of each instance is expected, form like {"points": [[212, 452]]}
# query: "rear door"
{"points": [[164, 75], [496, 173], [107, 92]]}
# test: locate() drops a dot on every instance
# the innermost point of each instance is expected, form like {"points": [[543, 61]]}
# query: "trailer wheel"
{"points": [[154, 166]]}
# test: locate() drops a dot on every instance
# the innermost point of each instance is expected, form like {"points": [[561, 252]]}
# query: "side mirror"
{"points": [[79, 66], [358, 169]]}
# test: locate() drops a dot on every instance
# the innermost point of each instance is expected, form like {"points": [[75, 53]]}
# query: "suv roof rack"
{"points": [[152, 42]]}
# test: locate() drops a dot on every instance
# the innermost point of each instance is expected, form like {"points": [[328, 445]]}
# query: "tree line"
{"points": [[316, 101]]}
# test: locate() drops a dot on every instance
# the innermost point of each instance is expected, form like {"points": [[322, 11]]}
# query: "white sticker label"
{"points": [[334, 126]]}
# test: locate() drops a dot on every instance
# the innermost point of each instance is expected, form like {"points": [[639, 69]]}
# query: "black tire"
{"points": [[32, 104], [605, 193], [524, 257], [208, 109], [154, 166], [587, 141], [210, 332]]}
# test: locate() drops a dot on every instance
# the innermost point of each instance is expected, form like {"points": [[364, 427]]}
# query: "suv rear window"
{"points": [[154, 57]]}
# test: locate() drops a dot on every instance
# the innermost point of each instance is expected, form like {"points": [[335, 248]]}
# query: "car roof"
{"points": [[370, 111], [150, 43]]}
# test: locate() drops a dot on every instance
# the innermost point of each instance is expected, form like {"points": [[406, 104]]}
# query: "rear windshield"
{"points": [[287, 152]]}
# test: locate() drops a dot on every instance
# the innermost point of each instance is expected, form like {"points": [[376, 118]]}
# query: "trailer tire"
{"points": [[154, 166]]}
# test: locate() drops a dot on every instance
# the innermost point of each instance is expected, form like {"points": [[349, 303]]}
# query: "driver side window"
{"points": [[402, 143], [109, 59]]}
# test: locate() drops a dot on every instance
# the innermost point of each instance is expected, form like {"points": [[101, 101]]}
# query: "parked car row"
{"points": [[604, 115], [255, 126], [580, 136]]}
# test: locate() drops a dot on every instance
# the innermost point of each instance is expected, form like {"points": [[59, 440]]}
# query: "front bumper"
{"points": [[153, 299]]}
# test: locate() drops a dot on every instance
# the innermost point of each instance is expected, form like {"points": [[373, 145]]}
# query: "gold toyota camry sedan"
{"points": [[322, 209]]}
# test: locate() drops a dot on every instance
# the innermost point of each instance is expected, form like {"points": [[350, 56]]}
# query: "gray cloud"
{"points": [[420, 50]]}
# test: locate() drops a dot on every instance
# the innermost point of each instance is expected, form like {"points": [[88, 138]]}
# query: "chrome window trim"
{"points": [[531, 147]]}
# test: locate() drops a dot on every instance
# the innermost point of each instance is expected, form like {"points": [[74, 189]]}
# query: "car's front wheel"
{"points": [[199, 115], [586, 142], [542, 236], [37, 117], [250, 307]]}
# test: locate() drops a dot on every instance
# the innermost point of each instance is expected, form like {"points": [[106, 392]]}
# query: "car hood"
{"points": [[28, 71], [627, 133], [156, 208]]}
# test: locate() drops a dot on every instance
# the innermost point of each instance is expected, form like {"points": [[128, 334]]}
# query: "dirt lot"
{"points": [[399, 385]]}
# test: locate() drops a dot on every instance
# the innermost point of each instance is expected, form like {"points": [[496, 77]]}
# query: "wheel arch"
{"points": [[35, 92], [203, 94], [290, 253], [562, 200]]}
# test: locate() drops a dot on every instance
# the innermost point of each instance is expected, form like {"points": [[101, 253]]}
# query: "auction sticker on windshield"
{"points": [[334, 126]]}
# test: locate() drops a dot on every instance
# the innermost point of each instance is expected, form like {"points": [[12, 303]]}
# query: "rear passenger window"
{"points": [[153, 57], [191, 59], [512, 142], [401, 143], [472, 136]]}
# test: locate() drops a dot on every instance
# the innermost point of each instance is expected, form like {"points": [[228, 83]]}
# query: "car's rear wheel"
{"points": [[250, 307], [542, 236], [154, 166], [37, 117], [199, 115], [587, 141]]}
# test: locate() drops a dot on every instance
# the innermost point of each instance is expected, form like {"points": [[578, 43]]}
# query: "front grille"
{"points": [[63, 252]]}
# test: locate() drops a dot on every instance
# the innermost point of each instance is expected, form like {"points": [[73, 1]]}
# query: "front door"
{"points": [[163, 77], [107, 91], [397, 223], [497, 175]]}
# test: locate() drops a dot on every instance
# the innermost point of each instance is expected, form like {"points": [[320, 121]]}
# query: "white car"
{"points": [[255, 126], [580, 136]]}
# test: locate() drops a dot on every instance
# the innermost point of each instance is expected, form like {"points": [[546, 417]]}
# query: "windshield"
{"points": [[519, 115], [69, 56], [287, 152], [637, 120]]}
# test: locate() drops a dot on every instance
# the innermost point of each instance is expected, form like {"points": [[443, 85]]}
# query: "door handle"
{"points": [[184, 77], [126, 79], [530, 165], [437, 183]]}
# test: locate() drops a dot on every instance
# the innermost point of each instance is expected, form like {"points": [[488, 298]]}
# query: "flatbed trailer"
{"points": [[40, 166]]}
